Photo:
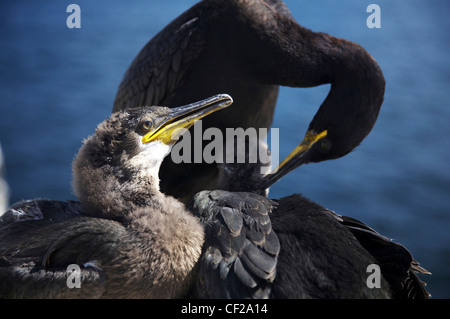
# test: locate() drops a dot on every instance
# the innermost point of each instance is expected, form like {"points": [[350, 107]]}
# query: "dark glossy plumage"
{"points": [[247, 48], [40, 238], [240, 254], [334, 252], [318, 253]]}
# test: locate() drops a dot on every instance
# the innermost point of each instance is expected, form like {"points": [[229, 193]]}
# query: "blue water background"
{"points": [[57, 84]]}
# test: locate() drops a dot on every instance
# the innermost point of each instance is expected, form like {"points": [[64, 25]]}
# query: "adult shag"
{"points": [[246, 48], [292, 247]]}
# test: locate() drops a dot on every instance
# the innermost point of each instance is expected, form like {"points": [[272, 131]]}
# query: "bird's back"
{"points": [[325, 255]]}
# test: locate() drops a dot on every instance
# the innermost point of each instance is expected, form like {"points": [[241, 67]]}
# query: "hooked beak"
{"points": [[182, 118], [293, 160]]}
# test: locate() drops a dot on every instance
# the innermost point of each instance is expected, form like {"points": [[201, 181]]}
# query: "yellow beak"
{"points": [[308, 141], [294, 159], [182, 118]]}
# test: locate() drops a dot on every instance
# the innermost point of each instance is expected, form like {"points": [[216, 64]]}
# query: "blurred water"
{"points": [[57, 84]]}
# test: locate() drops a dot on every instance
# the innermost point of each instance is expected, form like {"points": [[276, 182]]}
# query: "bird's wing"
{"points": [[241, 249], [35, 255], [40, 209], [396, 263], [161, 66]]}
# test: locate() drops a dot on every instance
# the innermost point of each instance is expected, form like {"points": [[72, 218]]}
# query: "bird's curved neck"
{"points": [[281, 52], [285, 53]]}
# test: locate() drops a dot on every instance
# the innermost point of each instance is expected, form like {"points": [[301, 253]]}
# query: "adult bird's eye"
{"points": [[325, 145]]}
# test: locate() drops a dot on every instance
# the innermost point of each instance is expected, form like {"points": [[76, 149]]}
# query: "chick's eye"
{"points": [[146, 125]]}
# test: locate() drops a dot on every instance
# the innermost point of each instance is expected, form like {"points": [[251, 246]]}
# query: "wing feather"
{"points": [[40, 239], [241, 249]]}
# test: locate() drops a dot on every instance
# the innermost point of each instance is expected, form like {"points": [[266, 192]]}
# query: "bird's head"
{"points": [[335, 130], [118, 165]]}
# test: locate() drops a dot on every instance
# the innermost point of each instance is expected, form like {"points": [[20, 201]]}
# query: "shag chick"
{"points": [[127, 239]]}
